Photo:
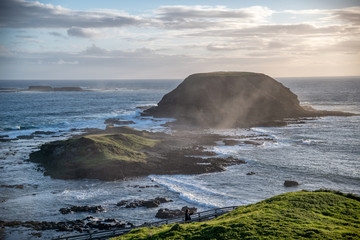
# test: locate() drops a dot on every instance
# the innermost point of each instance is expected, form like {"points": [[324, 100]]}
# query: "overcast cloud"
{"points": [[47, 41], [26, 14]]}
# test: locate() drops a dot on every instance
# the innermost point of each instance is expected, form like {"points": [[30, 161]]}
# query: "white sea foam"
{"points": [[195, 191]]}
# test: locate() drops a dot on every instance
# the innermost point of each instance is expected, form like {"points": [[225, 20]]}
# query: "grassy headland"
{"points": [[122, 152], [92, 155], [297, 215]]}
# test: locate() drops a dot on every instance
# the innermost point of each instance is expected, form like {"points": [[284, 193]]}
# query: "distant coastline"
{"points": [[44, 89]]}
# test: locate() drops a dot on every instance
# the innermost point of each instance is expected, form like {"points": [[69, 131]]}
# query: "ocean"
{"points": [[317, 153]]}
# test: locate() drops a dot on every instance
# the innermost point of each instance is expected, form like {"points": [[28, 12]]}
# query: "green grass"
{"points": [[298, 215], [107, 148]]}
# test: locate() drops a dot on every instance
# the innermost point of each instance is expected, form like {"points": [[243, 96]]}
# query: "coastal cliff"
{"points": [[231, 99]]}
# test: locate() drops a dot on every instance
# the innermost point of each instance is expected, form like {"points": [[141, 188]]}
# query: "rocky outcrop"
{"points": [[51, 89], [93, 209], [288, 183], [40, 88], [18, 186], [68, 89], [118, 121], [122, 152], [81, 225], [231, 99], [165, 213], [152, 203]]}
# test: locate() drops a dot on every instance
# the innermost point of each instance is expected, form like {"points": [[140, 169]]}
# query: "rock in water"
{"points": [[228, 99], [288, 183]]}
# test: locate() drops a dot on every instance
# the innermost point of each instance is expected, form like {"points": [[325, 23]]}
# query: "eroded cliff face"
{"points": [[228, 99]]}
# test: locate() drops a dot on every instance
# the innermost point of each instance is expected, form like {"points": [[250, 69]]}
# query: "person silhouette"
{"points": [[187, 215]]}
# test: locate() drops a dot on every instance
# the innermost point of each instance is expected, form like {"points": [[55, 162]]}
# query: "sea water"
{"points": [[317, 153]]}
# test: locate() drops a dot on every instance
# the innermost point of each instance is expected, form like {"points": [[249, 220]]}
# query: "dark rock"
{"points": [[151, 203], [36, 234], [69, 89], [252, 143], [8, 90], [165, 213], [76, 225], [143, 203], [122, 203], [291, 183], [191, 209], [93, 209], [40, 88], [7, 139], [118, 121], [25, 137], [43, 133], [110, 220], [163, 199], [51, 89], [230, 142], [134, 204], [18, 186]]}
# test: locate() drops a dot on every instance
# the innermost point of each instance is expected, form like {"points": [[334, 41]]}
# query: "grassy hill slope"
{"points": [[298, 215]]}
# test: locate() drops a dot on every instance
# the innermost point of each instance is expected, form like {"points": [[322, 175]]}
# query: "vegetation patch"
{"points": [[321, 214], [94, 156]]}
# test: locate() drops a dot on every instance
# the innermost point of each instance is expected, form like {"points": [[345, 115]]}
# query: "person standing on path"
{"points": [[187, 215]]}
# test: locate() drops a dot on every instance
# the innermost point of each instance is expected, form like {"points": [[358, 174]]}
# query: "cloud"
{"points": [[98, 63], [94, 50], [192, 17], [33, 14], [93, 63], [185, 12], [28, 38], [56, 34], [62, 62], [349, 15], [82, 32], [28, 14], [270, 30], [254, 44]]}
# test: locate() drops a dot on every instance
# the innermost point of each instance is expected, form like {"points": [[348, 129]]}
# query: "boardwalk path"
{"points": [[197, 217]]}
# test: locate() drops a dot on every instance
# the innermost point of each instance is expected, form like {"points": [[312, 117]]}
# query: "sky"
{"points": [[171, 39]]}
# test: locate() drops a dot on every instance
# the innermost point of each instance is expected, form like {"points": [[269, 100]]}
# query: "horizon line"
{"points": [[174, 79]]}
